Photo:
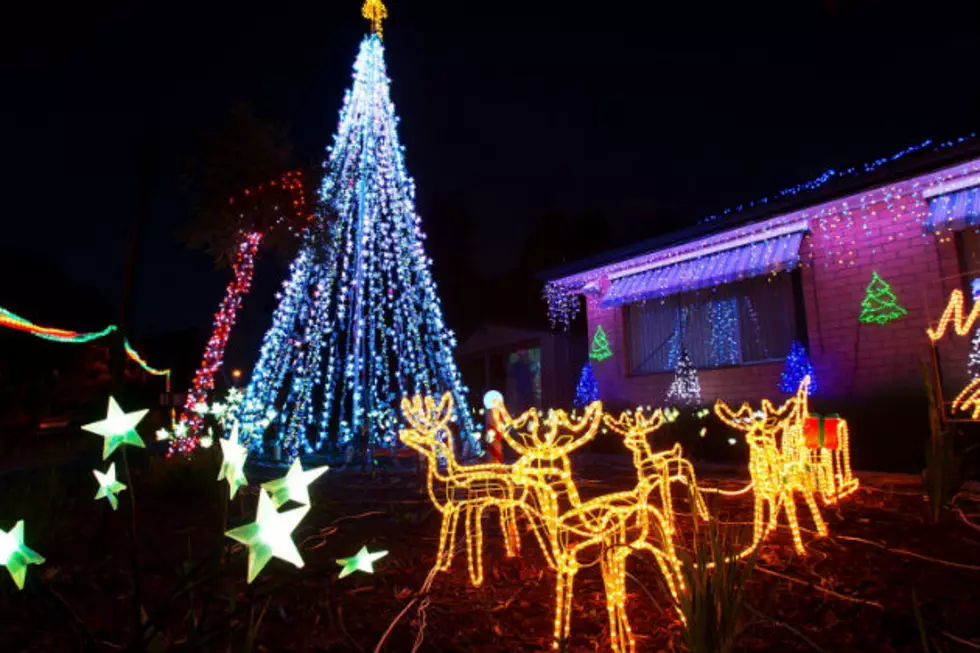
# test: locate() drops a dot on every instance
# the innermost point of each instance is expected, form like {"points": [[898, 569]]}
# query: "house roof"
{"points": [[492, 337], [831, 185]]}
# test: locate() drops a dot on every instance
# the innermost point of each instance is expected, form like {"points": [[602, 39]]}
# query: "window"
{"points": [[747, 321]]}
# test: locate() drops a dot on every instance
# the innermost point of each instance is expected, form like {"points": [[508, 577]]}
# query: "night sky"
{"points": [[647, 114]]}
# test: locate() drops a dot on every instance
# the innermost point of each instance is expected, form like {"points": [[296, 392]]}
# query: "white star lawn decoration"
{"points": [[363, 561], [270, 535], [294, 486], [117, 428], [233, 463], [163, 434], [109, 487], [15, 556]]}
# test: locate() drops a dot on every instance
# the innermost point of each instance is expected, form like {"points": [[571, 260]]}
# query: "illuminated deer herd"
{"points": [[572, 534]]}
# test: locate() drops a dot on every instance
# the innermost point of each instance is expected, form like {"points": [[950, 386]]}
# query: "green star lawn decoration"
{"points": [[117, 428], [109, 487], [270, 536], [880, 304], [15, 556], [294, 485], [233, 462], [363, 561], [600, 350]]}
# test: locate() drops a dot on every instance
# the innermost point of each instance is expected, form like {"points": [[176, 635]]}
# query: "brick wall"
{"points": [[880, 230]]}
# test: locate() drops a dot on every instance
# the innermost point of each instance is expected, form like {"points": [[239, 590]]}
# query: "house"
{"points": [[531, 368], [854, 265]]}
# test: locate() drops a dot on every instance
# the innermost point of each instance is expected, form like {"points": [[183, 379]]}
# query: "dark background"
{"points": [[537, 132]]}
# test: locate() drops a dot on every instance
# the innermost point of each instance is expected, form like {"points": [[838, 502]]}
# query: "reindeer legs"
{"points": [[474, 543]]}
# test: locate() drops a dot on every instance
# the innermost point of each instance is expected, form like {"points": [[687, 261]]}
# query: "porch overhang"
{"points": [[766, 252]]}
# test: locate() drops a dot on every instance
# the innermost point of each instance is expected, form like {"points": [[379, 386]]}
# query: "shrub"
{"points": [[713, 602]]}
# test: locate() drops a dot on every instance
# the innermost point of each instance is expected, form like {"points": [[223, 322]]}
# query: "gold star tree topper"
{"points": [[362, 561], [376, 12], [233, 462], [109, 487], [117, 428], [15, 556], [294, 485], [270, 535]]}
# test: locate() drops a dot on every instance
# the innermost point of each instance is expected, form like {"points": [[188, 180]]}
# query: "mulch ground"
{"points": [[853, 592]]}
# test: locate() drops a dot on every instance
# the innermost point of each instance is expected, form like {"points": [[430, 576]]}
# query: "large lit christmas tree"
{"points": [[359, 323]]}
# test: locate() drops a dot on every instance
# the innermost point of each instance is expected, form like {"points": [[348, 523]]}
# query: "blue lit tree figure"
{"points": [[587, 389], [798, 365], [359, 323]]}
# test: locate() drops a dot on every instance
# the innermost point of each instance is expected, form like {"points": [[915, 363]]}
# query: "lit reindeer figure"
{"points": [[779, 469], [470, 489], [544, 465], [661, 469], [607, 529]]}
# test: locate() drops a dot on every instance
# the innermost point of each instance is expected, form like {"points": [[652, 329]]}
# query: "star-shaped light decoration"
{"points": [[363, 561], [163, 434], [15, 556], [109, 487], [233, 463], [294, 485], [117, 428], [270, 535]]}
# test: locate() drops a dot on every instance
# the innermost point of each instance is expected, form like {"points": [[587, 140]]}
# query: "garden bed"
{"points": [[852, 592]]}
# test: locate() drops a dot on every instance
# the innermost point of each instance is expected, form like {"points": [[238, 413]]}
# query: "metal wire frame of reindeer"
{"points": [[606, 530]]}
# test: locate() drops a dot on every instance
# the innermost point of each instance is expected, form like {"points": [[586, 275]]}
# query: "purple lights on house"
{"points": [[708, 270]]}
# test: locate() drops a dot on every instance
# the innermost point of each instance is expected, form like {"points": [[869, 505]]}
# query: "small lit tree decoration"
{"points": [[587, 389], [118, 428], [778, 464], [798, 365], [109, 487], [362, 561], [294, 486], [685, 389], [600, 350], [880, 305], [15, 555], [233, 462], [270, 535]]}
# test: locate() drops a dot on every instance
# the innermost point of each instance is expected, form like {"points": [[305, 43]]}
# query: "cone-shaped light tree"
{"points": [[587, 389], [359, 322], [685, 389]]}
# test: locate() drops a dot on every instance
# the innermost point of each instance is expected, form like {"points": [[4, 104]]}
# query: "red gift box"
{"points": [[820, 431]]}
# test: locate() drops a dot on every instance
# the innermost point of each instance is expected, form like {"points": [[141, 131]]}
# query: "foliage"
{"points": [[714, 600], [241, 152], [944, 472], [41, 496], [185, 476]]}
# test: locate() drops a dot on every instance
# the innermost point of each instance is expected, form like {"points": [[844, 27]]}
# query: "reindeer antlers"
{"points": [[634, 423], [524, 433], [424, 415]]}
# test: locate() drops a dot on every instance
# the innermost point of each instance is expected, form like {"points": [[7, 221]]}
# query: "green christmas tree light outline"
{"points": [[888, 309], [600, 351]]}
